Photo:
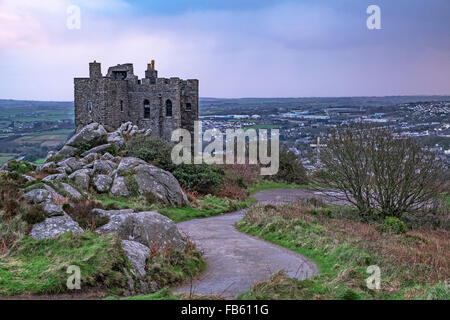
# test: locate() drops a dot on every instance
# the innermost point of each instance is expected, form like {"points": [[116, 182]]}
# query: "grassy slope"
{"points": [[343, 258], [39, 267], [269, 185]]}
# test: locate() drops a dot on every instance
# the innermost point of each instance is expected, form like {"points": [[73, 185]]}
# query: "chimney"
{"points": [[95, 70]]}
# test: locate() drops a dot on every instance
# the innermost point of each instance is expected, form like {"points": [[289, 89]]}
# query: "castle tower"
{"points": [[151, 73], [95, 70]]}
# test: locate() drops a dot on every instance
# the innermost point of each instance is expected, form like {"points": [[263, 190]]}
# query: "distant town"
{"points": [[29, 129], [302, 129]]}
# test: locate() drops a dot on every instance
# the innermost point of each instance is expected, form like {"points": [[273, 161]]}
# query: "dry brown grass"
{"points": [[232, 191], [421, 256]]}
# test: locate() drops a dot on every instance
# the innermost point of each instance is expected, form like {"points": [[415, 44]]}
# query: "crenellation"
{"points": [[159, 104]]}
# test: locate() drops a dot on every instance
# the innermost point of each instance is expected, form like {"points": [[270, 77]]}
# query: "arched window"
{"points": [[188, 106], [90, 106], [168, 108], [146, 109]]}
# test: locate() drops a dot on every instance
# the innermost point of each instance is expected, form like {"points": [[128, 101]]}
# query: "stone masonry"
{"points": [[159, 104]]}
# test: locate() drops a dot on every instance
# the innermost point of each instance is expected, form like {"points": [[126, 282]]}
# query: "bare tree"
{"points": [[379, 172]]}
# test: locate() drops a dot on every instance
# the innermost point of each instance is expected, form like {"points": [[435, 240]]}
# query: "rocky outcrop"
{"points": [[151, 229], [119, 187], [160, 183], [149, 179], [70, 165], [137, 255], [91, 135], [148, 227], [37, 196], [53, 209], [102, 183], [103, 166], [81, 178], [56, 176], [71, 191], [53, 227], [96, 149], [67, 151]]}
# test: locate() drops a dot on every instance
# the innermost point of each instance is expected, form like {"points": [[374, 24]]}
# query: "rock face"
{"points": [[160, 183], [53, 209], [53, 227], [93, 134], [81, 178], [96, 149], [151, 229], [149, 179], [71, 191], [148, 227], [102, 183], [119, 187], [67, 151], [71, 164], [103, 166], [37, 196], [137, 255]]}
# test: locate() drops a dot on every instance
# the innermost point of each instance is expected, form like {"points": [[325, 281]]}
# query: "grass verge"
{"points": [[414, 265], [206, 206], [269, 184], [40, 267]]}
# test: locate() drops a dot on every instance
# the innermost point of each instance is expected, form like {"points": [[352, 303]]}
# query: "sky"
{"points": [[236, 48]]}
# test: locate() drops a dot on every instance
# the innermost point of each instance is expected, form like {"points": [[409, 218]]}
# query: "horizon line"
{"points": [[242, 98]]}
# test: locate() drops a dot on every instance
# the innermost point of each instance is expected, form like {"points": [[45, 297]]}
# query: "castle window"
{"points": [[188, 106], [90, 106], [168, 108], [146, 109], [121, 106]]}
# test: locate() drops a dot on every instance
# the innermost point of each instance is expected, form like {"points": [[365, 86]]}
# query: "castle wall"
{"points": [[89, 90], [118, 101]]}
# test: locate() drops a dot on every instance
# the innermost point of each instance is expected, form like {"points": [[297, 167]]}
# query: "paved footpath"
{"points": [[236, 260]]}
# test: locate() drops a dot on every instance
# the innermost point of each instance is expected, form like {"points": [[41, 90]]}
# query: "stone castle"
{"points": [[159, 104]]}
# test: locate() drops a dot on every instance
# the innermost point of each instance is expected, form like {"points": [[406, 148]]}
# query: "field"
{"points": [[32, 128], [4, 157], [46, 139]]}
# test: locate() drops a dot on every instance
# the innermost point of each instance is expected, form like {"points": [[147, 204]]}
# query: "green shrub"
{"points": [[132, 184], [112, 149], [290, 170], [394, 225], [20, 166], [153, 150], [201, 178]]}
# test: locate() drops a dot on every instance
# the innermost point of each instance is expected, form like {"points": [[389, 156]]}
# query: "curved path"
{"points": [[236, 260]]}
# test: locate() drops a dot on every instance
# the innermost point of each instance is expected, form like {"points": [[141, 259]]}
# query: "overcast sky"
{"points": [[236, 48]]}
